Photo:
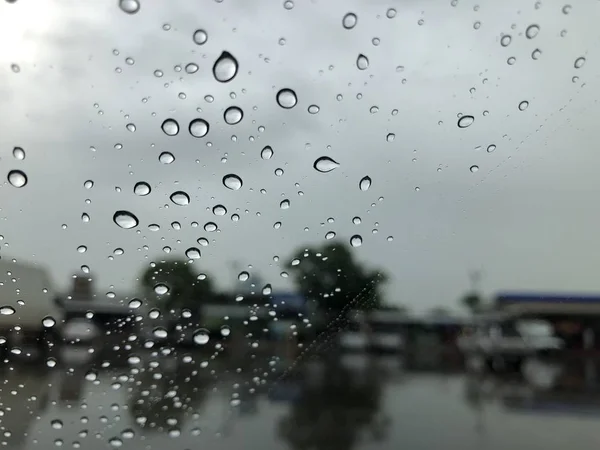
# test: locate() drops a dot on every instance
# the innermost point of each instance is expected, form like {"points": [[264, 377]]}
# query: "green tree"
{"points": [[331, 276], [473, 302], [185, 289]]}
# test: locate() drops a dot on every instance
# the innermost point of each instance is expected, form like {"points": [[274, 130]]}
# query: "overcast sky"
{"points": [[528, 218]]}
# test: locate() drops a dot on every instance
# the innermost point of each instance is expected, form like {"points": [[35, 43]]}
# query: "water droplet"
{"points": [[390, 137], [85, 218], [56, 424], [129, 6], [131, 127], [579, 62], [243, 276], [566, 9], [266, 153], [82, 249], [17, 178], [349, 21], [48, 322], [288, 4], [465, 121], [313, 109], [210, 227], [491, 148], [135, 303], [362, 62], [225, 331], [233, 115], [232, 181], [88, 184], [510, 61], [266, 290], [125, 219], [477, 25], [161, 288], [191, 68], [7, 310], [142, 188], [203, 242], [365, 183], [15, 68], [219, 210], [474, 169], [19, 153], [325, 164], [200, 37], [201, 336], [356, 220], [330, 235], [286, 98], [523, 105], [535, 55], [180, 198], [199, 128], [285, 204], [170, 127], [166, 158], [505, 40], [158, 73], [532, 31], [192, 253], [225, 67], [356, 240], [390, 13], [115, 442]]}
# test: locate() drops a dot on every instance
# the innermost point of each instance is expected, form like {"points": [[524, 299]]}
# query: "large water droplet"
{"points": [[356, 240], [129, 6], [523, 105], [135, 303], [266, 290], [225, 331], [125, 219], [17, 178], [390, 137], [330, 235], [166, 158], [390, 13], [170, 127], [233, 115], [532, 31], [142, 188], [362, 62], [465, 121], [219, 210], [161, 288], [199, 128], [200, 37], [201, 336], [286, 98], [285, 204], [56, 424], [266, 153], [7, 310], [225, 67], [505, 40], [579, 62], [365, 183], [232, 181], [192, 253], [131, 127], [48, 322], [313, 109], [210, 227], [180, 198], [325, 164], [349, 21], [474, 168], [191, 68], [19, 153], [243, 276]]}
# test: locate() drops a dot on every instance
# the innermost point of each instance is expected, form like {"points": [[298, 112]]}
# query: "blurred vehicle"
{"points": [[29, 310]]}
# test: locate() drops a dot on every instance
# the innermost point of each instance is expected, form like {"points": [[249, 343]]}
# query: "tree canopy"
{"points": [[473, 302]]}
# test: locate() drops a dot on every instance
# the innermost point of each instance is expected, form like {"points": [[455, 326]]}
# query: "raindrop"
{"points": [[191, 68], [48, 322], [192, 253], [465, 121], [365, 183], [266, 290], [161, 288], [325, 164], [356, 240], [390, 13], [474, 169], [17, 178], [225, 67], [210, 227], [523, 105], [203, 242], [330, 235], [85, 218], [158, 73], [200, 37], [535, 55], [349, 21], [180, 198], [505, 40], [390, 137], [131, 127], [266, 153], [198, 128], [510, 61], [201, 336], [176, 225], [313, 109], [19, 153], [362, 62], [356, 220], [233, 115], [232, 181], [285, 204], [142, 188], [129, 6], [288, 4], [115, 442], [135, 303], [491, 148], [286, 98], [158, 332], [7, 310], [532, 31], [15, 68], [579, 62], [56, 424], [125, 219], [219, 210], [170, 127], [243, 276], [225, 331], [166, 158], [82, 249], [566, 9]]}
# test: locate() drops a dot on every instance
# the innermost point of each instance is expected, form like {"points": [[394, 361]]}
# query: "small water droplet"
{"points": [[201, 336], [142, 188], [232, 181], [356, 240], [15, 68], [288, 4], [129, 6], [532, 31], [465, 121], [477, 25], [219, 210], [510, 61], [180, 198], [192, 253], [85, 218], [82, 249], [491, 148], [161, 288], [225, 67], [474, 168], [362, 62], [225, 331], [523, 105], [56, 424], [356, 220], [135, 303], [330, 235], [349, 21], [325, 164], [535, 55], [131, 127], [191, 68], [166, 158], [286, 98], [313, 109], [158, 73], [579, 62], [390, 137], [7, 310], [199, 128], [125, 219], [19, 153], [505, 40], [48, 322], [170, 127], [243, 276], [233, 115], [566, 9], [17, 178], [266, 290], [210, 227], [285, 204], [266, 153], [365, 183], [115, 442], [200, 37], [390, 13]]}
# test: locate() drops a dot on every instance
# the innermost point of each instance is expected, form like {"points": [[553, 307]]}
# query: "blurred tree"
{"points": [[472, 301], [186, 290], [334, 279], [440, 311]]}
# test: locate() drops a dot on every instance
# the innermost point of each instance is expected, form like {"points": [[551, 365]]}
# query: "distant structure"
{"points": [[82, 288]]}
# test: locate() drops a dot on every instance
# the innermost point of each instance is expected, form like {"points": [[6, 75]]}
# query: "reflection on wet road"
{"points": [[189, 400]]}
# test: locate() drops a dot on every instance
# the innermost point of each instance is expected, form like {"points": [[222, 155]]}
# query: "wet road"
{"points": [[191, 400]]}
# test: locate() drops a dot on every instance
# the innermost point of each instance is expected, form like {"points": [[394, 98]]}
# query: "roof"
{"points": [[516, 297]]}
